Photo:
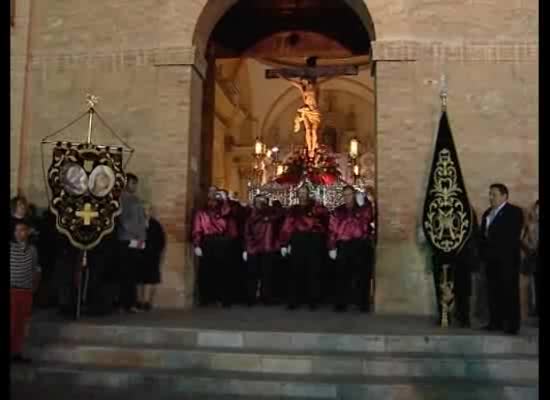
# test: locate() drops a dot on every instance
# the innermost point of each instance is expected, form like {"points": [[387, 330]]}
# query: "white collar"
{"points": [[495, 212]]}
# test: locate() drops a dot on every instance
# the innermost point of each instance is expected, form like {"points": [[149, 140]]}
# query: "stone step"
{"points": [[476, 343], [158, 382], [54, 391], [509, 367]]}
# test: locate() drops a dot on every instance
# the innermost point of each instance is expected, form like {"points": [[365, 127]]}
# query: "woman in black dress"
{"points": [[149, 275]]}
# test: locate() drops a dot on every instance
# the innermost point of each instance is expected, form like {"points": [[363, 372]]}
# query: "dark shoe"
{"points": [[226, 305], [340, 308], [19, 359], [147, 307], [511, 331], [291, 307], [131, 310], [364, 309], [313, 307], [250, 303], [463, 323], [490, 328]]}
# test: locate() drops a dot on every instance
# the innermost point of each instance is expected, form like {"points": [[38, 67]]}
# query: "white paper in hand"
{"points": [[284, 251], [245, 256], [332, 254]]}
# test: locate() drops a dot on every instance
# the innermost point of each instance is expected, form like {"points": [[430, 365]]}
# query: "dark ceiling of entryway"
{"points": [[252, 21]]}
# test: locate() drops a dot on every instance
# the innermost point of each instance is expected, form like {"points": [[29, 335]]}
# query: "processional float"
{"points": [[85, 180], [312, 165]]}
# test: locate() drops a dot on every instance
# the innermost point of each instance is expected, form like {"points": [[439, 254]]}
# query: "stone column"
{"points": [[403, 283], [208, 115], [177, 168]]}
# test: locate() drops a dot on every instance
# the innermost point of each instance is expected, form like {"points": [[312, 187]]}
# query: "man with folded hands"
{"points": [[303, 238], [214, 234], [261, 250], [350, 245]]}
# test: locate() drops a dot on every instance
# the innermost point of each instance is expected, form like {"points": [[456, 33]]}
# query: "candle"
{"points": [[258, 147], [354, 148]]}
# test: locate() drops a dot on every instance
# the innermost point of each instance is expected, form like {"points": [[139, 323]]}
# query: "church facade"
{"points": [[147, 61]]}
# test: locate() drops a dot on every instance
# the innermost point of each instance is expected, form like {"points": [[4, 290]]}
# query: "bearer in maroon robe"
{"points": [[261, 250], [214, 234], [281, 263], [303, 237], [240, 212], [349, 243]]}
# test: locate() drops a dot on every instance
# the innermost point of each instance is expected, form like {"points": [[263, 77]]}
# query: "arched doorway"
{"points": [[238, 102]]}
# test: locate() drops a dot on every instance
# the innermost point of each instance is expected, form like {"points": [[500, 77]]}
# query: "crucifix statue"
{"points": [[306, 80]]}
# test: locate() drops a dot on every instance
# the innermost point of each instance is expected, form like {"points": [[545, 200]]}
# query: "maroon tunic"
{"points": [[215, 219], [240, 214], [350, 223], [312, 218], [261, 231]]}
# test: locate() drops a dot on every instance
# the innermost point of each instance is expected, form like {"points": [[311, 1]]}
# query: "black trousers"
{"points": [[217, 270], [462, 279], [353, 265], [503, 294], [280, 277], [260, 270], [130, 260], [240, 273], [67, 263], [307, 254]]}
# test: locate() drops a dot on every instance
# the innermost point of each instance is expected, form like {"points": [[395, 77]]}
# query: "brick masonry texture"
{"points": [[144, 59]]}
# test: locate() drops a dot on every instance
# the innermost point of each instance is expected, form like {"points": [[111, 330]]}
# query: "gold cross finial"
{"points": [[91, 100], [443, 92], [87, 214]]}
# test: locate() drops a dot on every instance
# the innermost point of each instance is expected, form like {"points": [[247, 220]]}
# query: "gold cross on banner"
{"points": [[87, 215]]}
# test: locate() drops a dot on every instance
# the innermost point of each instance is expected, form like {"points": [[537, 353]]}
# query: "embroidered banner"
{"points": [[86, 182], [447, 219]]}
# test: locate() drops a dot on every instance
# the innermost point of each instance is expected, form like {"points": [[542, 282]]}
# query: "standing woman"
{"points": [[529, 265], [152, 256]]}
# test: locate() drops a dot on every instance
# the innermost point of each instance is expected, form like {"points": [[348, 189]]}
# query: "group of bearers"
{"points": [[272, 254]]}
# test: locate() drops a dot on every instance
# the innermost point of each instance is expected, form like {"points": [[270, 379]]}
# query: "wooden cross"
{"points": [[87, 214], [312, 71]]}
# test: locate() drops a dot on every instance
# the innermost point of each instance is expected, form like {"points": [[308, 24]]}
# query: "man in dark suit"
{"points": [[500, 251]]}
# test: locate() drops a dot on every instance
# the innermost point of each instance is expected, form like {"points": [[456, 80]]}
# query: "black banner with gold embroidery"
{"points": [[86, 181], [447, 220]]}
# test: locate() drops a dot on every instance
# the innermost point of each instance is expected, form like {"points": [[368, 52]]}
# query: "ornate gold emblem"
{"points": [[448, 218]]}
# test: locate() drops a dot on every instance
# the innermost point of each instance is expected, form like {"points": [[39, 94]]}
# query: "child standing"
{"points": [[24, 275]]}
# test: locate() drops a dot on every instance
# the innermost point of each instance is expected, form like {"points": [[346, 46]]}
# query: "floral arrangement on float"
{"points": [[322, 169]]}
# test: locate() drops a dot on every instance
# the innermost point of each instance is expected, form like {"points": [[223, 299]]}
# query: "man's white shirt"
{"points": [[491, 217]]}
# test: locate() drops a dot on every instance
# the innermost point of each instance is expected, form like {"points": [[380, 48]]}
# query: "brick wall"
{"points": [[139, 57]]}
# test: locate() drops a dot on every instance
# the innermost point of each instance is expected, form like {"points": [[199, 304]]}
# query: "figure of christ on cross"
{"points": [[308, 83]]}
